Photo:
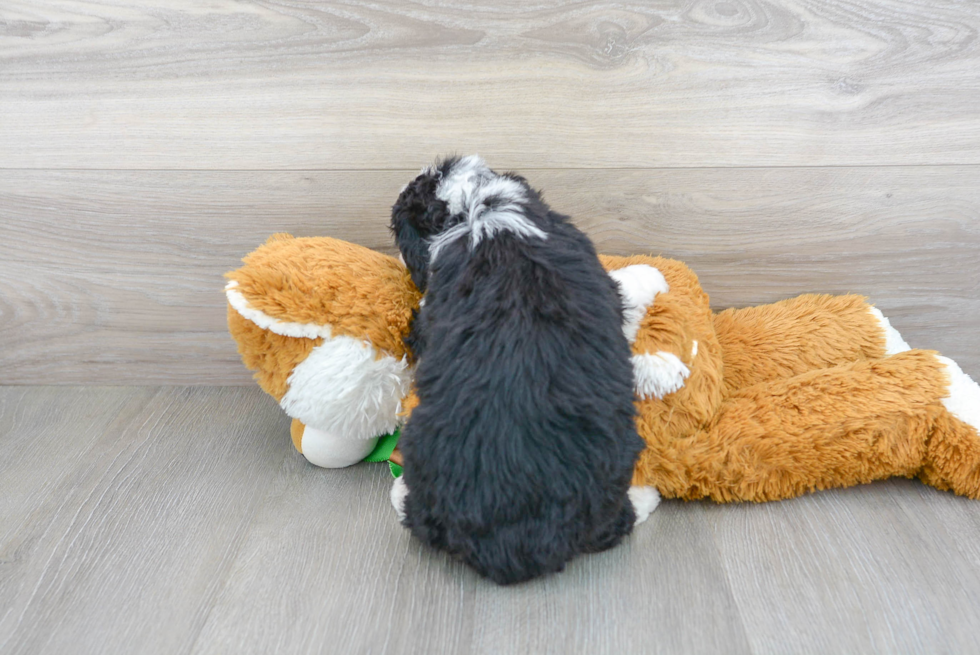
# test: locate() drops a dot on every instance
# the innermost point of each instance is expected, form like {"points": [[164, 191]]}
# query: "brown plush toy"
{"points": [[770, 402], [753, 404], [322, 323]]}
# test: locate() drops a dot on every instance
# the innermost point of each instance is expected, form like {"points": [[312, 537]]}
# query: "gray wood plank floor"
{"points": [[179, 520]]}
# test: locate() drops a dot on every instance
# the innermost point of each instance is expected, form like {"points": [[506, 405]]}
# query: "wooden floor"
{"points": [[778, 147], [178, 520]]}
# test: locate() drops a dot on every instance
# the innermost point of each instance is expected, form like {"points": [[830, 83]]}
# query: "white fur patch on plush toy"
{"points": [[345, 387], [894, 343], [638, 284], [963, 400], [658, 375]]}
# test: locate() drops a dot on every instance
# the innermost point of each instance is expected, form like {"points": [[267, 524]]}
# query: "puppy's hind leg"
{"points": [[612, 533], [644, 500], [399, 493]]}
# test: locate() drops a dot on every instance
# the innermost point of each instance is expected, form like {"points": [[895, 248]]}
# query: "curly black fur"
{"points": [[520, 452]]}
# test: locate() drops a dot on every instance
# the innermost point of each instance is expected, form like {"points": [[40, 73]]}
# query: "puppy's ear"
{"points": [[417, 216], [414, 249]]}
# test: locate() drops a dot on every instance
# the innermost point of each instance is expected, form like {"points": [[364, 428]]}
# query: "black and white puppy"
{"points": [[520, 452]]}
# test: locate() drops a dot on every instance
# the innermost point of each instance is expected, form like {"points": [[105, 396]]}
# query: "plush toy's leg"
{"points": [[802, 334], [328, 451], [953, 452], [835, 427]]}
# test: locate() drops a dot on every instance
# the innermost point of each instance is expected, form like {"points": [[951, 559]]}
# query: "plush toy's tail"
{"points": [[953, 453]]}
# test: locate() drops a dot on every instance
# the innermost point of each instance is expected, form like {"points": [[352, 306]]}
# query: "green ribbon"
{"points": [[382, 452]]}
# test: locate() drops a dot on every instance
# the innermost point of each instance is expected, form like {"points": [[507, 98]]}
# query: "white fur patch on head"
{"points": [[343, 388], [963, 400], [645, 500], [399, 492], [658, 375], [638, 285], [270, 323], [459, 184], [489, 203], [442, 240], [894, 343]]}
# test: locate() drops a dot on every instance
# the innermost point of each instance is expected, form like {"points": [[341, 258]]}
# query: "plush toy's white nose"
{"points": [[332, 452]]}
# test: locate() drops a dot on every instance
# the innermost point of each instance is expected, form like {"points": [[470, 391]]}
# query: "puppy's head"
{"points": [[456, 198]]}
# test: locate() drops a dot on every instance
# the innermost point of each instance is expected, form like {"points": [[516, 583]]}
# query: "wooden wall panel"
{"points": [[115, 276], [351, 84]]}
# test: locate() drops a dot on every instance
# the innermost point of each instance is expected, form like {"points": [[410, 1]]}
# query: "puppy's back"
{"points": [[520, 452]]}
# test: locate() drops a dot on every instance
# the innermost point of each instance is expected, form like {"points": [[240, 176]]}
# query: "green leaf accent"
{"points": [[386, 446]]}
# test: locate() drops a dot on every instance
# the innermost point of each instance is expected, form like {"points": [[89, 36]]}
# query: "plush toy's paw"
{"points": [[656, 375], [329, 451], [963, 400], [645, 500], [399, 492], [638, 285]]}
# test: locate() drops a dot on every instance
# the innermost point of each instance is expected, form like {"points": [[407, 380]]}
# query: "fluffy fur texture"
{"points": [[638, 285], [277, 326], [519, 453], [345, 387], [658, 374], [894, 343], [323, 323], [781, 399], [963, 397], [644, 500], [800, 395]]}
